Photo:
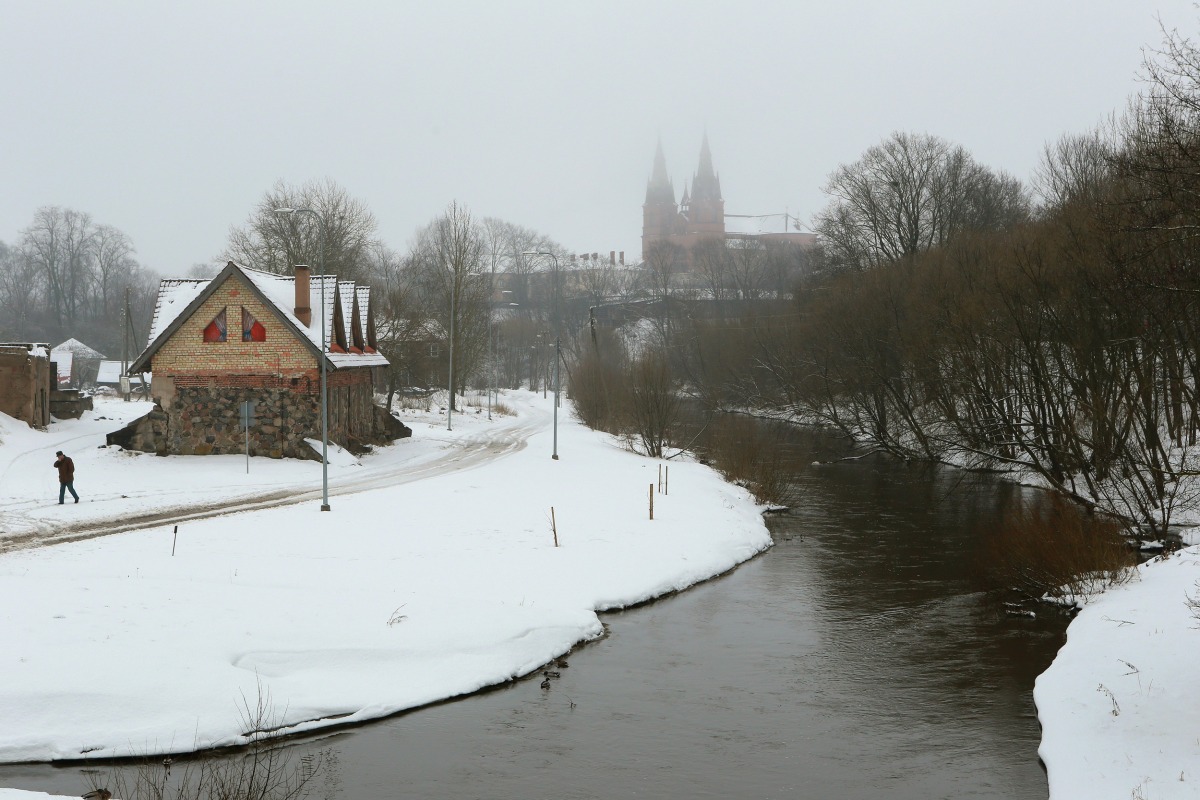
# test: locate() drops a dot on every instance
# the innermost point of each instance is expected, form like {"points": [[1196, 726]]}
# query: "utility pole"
{"points": [[126, 336]]}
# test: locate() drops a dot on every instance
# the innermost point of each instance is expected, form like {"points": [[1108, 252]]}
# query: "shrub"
{"points": [[1058, 551], [598, 393], [259, 771], [746, 452]]}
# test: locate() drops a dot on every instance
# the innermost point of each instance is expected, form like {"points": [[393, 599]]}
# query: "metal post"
{"points": [[324, 355], [324, 383], [557, 342], [556, 360], [450, 378], [491, 354]]}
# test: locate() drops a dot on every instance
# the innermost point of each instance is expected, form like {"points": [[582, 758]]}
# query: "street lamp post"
{"points": [[324, 357], [450, 377], [492, 382], [557, 342]]}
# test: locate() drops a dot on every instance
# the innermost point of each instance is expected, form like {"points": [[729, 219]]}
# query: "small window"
{"points": [[252, 329], [216, 330], [433, 350]]}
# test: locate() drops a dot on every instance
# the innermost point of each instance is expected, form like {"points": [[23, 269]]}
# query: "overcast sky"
{"points": [[170, 120]]}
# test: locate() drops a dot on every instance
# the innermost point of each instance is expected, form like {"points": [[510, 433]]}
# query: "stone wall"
{"points": [[203, 417]]}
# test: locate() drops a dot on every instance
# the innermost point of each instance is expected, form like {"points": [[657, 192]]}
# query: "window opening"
{"points": [[216, 331], [252, 329]]}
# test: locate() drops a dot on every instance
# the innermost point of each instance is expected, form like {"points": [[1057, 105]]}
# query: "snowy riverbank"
{"points": [[401, 596], [1118, 705]]}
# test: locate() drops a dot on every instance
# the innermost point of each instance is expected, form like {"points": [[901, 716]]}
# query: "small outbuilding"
{"points": [[77, 364]]}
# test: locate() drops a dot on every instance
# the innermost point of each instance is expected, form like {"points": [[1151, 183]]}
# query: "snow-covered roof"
{"points": [[279, 291], [346, 295], [174, 295], [774, 225], [364, 307], [35, 349], [110, 372], [78, 348]]}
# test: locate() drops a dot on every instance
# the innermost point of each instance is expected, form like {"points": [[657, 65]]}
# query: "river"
{"points": [[854, 659]]}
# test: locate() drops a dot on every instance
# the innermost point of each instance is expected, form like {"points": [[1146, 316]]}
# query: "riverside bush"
{"points": [[1057, 551]]}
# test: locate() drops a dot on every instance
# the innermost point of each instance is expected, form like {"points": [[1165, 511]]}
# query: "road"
{"points": [[465, 453]]}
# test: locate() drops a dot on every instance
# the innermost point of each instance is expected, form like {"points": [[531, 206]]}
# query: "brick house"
{"points": [[250, 335]]}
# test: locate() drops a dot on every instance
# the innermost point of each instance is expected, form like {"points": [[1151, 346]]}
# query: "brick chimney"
{"points": [[303, 311]]}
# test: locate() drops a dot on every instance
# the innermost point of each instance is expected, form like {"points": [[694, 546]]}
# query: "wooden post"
{"points": [[174, 538], [553, 526], [652, 501], [667, 481], [660, 478]]}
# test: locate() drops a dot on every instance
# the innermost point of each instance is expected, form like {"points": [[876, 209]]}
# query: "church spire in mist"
{"points": [[659, 188]]}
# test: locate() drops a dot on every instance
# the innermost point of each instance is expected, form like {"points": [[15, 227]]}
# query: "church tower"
{"points": [[704, 207], [660, 215]]}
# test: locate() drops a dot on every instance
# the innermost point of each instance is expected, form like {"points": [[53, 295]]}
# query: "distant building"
{"points": [[247, 335], [76, 363], [700, 213]]}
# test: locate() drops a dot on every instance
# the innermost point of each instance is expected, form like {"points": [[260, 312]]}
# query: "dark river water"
{"points": [[854, 659]]}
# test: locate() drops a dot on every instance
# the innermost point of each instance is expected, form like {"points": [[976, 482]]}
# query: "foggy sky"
{"points": [[169, 121]]}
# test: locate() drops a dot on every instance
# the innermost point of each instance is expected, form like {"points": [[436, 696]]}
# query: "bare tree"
{"points": [[58, 244], [113, 254], [714, 267], [653, 403], [276, 243], [907, 194], [1075, 168], [449, 258], [748, 266], [663, 264]]}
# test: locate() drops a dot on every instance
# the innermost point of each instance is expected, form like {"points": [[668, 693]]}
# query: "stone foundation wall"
{"points": [[205, 421], [202, 417]]}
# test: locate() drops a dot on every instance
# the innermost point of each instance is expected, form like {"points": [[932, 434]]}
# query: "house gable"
{"points": [[184, 349]]}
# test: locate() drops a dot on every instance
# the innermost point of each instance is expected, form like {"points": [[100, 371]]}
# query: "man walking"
{"points": [[66, 477]]}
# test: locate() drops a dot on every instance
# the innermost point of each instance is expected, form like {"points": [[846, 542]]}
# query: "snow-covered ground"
{"points": [[440, 580], [1118, 707]]}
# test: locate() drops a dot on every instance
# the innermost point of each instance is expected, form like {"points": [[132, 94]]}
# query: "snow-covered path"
{"points": [[201, 488], [435, 575]]}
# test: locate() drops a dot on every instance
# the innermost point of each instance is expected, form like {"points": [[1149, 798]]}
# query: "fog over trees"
{"points": [[66, 276]]}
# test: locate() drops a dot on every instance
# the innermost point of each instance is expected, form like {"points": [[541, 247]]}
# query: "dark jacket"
{"points": [[66, 469]]}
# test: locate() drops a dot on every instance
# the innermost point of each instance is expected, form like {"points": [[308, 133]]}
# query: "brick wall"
{"points": [[186, 351]]}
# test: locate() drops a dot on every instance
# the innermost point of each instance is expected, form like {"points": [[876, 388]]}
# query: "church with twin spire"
{"points": [[700, 213]]}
